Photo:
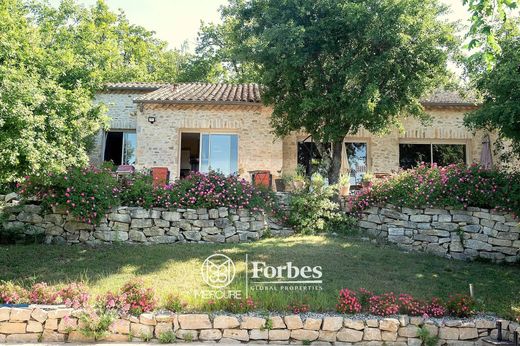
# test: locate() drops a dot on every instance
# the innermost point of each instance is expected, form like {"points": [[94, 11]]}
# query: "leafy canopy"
{"points": [[500, 87], [51, 62], [330, 67]]}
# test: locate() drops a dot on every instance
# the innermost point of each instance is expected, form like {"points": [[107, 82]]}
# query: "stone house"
{"points": [[199, 126]]}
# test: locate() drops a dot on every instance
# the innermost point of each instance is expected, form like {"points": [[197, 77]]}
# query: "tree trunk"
{"points": [[335, 166], [330, 164]]}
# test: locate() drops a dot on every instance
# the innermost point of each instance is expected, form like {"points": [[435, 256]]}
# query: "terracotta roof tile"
{"points": [[204, 92], [245, 93], [145, 86]]}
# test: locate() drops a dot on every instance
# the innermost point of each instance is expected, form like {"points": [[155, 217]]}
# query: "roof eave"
{"points": [[209, 103], [449, 104]]}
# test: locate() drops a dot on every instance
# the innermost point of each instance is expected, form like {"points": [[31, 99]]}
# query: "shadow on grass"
{"points": [[345, 263]]}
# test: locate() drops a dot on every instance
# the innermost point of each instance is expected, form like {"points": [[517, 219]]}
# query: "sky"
{"points": [[177, 21]]}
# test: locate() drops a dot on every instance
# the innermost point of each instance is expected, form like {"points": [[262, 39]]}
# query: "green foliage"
{"points": [[500, 87], [87, 194], [312, 209], [96, 324], [330, 67], [166, 337], [455, 185], [486, 18], [174, 303], [137, 189], [52, 60], [426, 338]]}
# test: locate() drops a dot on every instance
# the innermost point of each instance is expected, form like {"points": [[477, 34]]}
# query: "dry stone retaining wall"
{"points": [[460, 234], [35, 324], [139, 225]]}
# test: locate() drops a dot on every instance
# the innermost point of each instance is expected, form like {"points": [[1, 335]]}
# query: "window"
{"points": [[219, 152], [410, 155], [120, 147], [357, 161]]}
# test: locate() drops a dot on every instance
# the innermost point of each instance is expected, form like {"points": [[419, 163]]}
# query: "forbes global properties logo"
{"points": [[218, 271]]}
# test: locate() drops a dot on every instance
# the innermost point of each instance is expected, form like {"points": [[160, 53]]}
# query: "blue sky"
{"points": [[177, 21]]}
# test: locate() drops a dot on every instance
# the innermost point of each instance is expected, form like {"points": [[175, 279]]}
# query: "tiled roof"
{"points": [[144, 86], [204, 93], [449, 98], [246, 93]]}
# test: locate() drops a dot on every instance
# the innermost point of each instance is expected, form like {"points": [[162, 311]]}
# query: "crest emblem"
{"points": [[218, 271]]}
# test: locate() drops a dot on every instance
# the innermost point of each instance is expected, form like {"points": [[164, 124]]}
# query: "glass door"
{"points": [[219, 152]]}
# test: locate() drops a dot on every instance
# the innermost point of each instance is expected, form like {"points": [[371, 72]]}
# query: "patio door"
{"points": [[219, 152]]}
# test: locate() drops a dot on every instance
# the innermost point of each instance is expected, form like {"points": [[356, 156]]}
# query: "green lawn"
{"points": [[346, 263]]}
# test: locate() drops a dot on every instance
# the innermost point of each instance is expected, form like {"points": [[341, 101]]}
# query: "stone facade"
{"points": [[446, 127], [459, 234], [122, 112], [138, 225], [158, 144], [35, 324]]}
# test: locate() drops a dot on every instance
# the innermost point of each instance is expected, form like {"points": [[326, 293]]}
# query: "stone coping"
{"points": [[37, 324]]}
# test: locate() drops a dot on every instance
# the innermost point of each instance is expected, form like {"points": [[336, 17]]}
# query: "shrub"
{"points": [[461, 305], [312, 210], [240, 305], [41, 293], [137, 190], [174, 303], [298, 308], [383, 305], [408, 305], [12, 294], [454, 185], [348, 302], [74, 296], [133, 298], [96, 324], [86, 193], [435, 308]]}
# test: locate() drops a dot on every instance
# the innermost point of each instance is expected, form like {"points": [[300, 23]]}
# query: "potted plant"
{"points": [[344, 185], [367, 180], [298, 179]]}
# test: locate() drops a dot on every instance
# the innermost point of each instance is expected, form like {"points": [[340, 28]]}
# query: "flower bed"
{"points": [[454, 186]]}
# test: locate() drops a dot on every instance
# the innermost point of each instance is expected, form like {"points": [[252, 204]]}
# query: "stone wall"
{"points": [[459, 234], [35, 324], [138, 225]]}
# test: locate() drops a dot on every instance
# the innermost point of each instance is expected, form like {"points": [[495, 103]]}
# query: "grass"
{"points": [[345, 262]]}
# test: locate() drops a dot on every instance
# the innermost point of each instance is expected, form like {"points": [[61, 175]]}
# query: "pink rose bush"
{"points": [[387, 304], [73, 295], [89, 193], [133, 298], [457, 186]]}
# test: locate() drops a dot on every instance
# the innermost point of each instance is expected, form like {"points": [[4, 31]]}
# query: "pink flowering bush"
{"points": [[298, 308], [454, 185], [408, 305], [435, 308], [383, 305], [348, 302], [133, 298], [74, 296], [41, 293], [12, 294], [85, 193], [461, 305]]}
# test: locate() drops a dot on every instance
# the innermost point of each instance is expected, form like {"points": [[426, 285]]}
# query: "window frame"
{"points": [[200, 132], [433, 142], [365, 141], [123, 131]]}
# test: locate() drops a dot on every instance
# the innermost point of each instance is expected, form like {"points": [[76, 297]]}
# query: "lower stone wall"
{"points": [[139, 225], [35, 324], [460, 234]]}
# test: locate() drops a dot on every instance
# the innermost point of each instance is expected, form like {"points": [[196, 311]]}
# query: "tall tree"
{"points": [[331, 67], [52, 60], [500, 88]]}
